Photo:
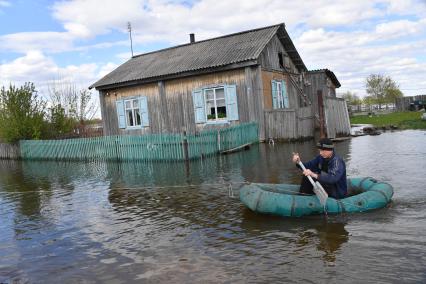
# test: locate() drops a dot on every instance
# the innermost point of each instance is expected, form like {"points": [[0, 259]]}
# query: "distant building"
{"points": [[411, 103]]}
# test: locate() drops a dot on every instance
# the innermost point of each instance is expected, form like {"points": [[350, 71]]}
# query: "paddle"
{"points": [[318, 189]]}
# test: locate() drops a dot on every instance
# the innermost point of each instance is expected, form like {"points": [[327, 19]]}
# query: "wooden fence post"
{"points": [[185, 147]]}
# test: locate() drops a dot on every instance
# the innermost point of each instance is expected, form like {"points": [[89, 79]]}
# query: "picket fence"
{"points": [[9, 151], [151, 147]]}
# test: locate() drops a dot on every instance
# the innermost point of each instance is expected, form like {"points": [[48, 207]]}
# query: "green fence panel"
{"points": [[151, 147]]}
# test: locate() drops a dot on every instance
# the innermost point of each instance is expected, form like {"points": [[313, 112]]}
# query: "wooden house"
{"points": [[243, 77]]}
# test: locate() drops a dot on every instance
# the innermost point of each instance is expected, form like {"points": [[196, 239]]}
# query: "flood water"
{"points": [[69, 222]]}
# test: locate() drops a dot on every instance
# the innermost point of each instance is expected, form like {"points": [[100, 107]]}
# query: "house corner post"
{"points": [[321, 114]]}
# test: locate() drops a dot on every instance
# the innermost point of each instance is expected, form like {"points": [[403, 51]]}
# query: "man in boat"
{"points": [[328, 168]]}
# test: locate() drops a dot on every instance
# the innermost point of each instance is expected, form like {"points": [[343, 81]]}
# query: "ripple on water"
{"points": [[138, 222]]}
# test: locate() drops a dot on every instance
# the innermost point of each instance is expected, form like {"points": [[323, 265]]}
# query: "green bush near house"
{"points": [[402, 120], [22, 114]]}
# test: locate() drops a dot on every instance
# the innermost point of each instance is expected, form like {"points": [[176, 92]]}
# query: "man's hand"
{"points": [[296, 158], [310, 173]]}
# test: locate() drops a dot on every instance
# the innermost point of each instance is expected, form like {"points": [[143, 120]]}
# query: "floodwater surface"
{"points": [[69, 222]]}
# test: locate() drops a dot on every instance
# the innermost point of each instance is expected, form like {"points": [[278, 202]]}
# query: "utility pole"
{"points": [[129, 28]]}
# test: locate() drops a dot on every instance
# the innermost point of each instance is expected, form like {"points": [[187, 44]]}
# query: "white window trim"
{"points": [[280, 98], [131, 99], [216, 120]]}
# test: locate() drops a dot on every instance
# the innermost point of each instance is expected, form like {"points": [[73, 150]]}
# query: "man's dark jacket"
{"points": [[333, 173]]}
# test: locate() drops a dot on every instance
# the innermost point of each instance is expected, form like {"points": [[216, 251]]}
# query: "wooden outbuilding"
{"points": [[256, 75]]}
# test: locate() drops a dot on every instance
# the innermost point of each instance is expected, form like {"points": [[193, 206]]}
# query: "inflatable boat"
{"points": [[364, 194]]}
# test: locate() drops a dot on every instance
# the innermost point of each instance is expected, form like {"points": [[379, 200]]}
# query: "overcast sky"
{"points": [[79, 41]]}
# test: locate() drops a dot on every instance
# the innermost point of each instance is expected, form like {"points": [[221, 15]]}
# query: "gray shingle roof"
{"points": [[211, 53]]}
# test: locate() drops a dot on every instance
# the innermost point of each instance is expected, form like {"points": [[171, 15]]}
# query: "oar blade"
{"points": [[320, 193]]}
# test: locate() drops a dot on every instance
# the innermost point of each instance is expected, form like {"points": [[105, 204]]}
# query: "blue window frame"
{"points": [[279, 95], [132, 112], [215, 104]]}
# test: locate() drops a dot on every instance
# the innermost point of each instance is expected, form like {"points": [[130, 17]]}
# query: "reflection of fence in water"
{"points": [[153, 147]]}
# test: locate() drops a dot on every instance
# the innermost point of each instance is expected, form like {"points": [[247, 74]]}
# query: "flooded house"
{"points": [[250, 76]]}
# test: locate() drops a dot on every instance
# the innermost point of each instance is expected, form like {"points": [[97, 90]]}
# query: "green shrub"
{"points": [[22, 114]]}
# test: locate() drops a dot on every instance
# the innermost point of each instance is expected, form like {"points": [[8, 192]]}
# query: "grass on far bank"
{"points": [[402, 120]]}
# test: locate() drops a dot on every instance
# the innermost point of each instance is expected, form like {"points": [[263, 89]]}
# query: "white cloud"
{"points": [[355, 55], [27, 41], [90, 18], [407, 7], [4, 4], [172, 21], [352, 38], [36, 67], [105, 69], [400, 28]]}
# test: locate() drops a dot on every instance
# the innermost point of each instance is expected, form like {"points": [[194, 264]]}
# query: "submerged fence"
{"points": [[9, 151], [152, 147]]}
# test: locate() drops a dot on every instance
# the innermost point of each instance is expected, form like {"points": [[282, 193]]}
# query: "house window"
{"points": [[281, 59], [279, 95], [132, 112], [215, 104], [133, 116]]}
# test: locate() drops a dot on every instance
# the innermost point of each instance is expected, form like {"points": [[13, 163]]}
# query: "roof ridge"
{"points": [[209, 39]]}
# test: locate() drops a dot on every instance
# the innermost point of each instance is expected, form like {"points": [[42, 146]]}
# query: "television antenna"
{"points": [[129, 28]]}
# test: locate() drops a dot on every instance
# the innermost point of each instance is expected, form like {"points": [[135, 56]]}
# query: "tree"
{"points": [[70, 108], [59, 123], [22, 114], [352, 99], [76, 104], [381, 88], [393, 94], [369, 101]]}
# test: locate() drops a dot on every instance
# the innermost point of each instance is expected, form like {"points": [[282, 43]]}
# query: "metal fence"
{"points": [[152, 147]]}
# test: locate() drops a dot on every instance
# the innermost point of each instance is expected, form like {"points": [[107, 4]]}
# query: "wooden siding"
{"points": [[289, 124], [268, 59], [267, 78], [170, 103], [318, 82], [254, 103], [271, 70], [9, 151], [109, 110], [305, 123], [336, 117], [179, 97]]}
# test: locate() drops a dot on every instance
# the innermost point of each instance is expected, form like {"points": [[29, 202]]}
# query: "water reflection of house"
{"points": [[256, 75]]}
